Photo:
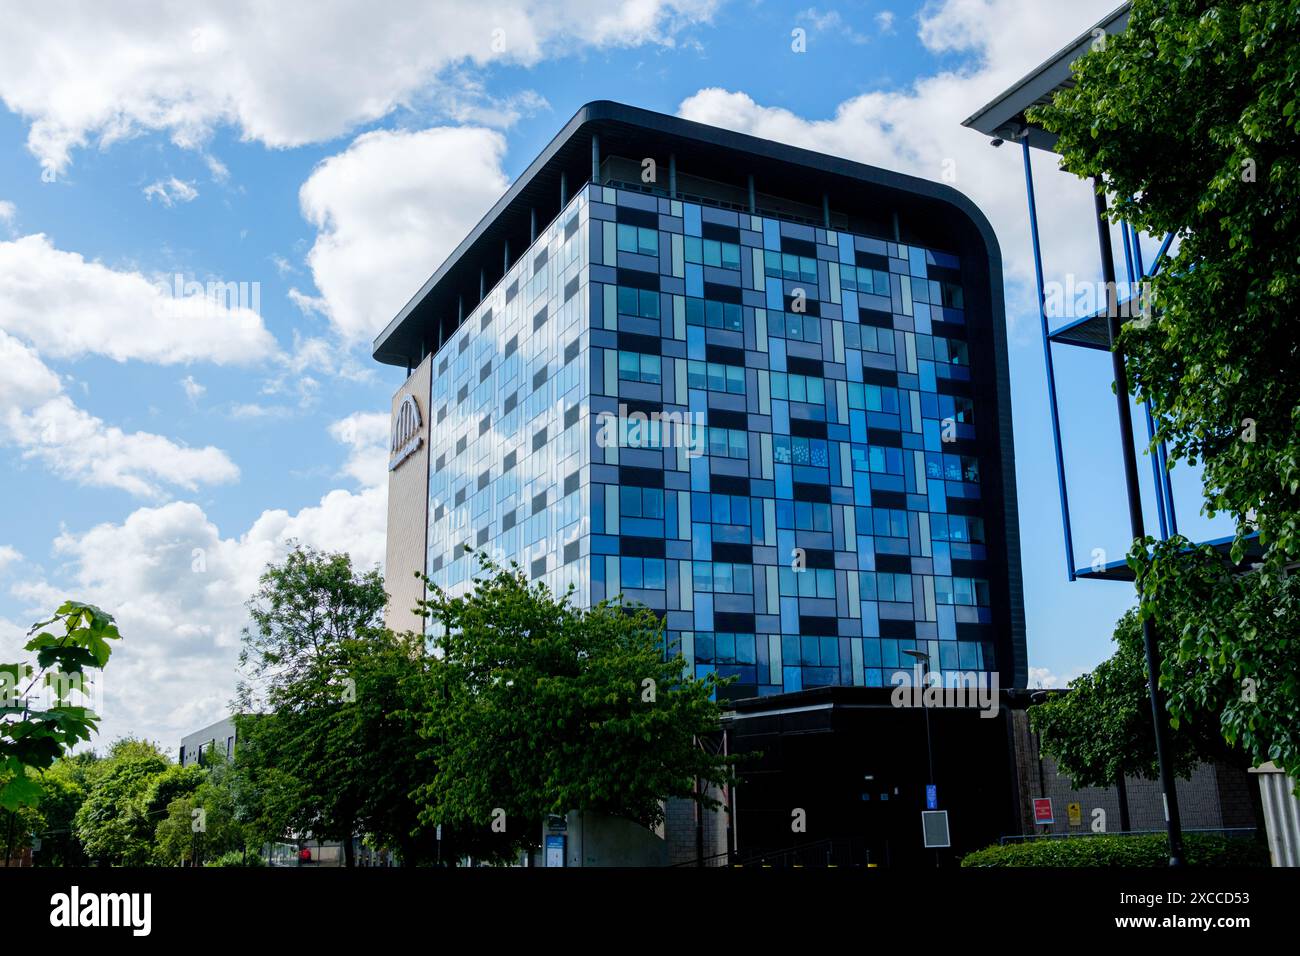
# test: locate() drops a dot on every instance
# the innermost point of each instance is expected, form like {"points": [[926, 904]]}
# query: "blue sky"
{"points": [[152, 459]]}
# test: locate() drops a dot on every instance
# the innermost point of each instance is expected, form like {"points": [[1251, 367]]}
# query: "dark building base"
{"points": [[857, 767], [837, 776]]}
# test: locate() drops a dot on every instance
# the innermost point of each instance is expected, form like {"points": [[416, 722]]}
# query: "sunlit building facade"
{"points": [[760, 390]]}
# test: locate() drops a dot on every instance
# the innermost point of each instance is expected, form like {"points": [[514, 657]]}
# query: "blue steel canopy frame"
{"points": [[1088, 333], [1003, 119], [1093, 332]]}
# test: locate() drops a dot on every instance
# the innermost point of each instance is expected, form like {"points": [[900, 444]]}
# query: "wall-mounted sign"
{"points": [[1043, 811], [406, 432], [1074, 813]]}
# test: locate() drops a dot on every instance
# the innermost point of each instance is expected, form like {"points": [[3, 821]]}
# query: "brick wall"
{"points": [[1214, 796]]}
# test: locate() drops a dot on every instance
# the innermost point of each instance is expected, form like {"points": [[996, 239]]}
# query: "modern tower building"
{"points": [[759, 389]]}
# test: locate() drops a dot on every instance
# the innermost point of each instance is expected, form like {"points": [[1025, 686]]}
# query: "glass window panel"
{"points": [[808, 651], [649, 304], [628, 300], [722, 578]]}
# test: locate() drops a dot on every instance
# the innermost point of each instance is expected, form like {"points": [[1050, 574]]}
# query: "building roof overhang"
{"points": [[866, 193], [1004, 117]]}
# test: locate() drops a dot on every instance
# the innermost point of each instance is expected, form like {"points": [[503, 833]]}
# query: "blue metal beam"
{"points": [[1160, 254], [1163, 480], [1157, 483], [1051, 371], [1137, 251]]}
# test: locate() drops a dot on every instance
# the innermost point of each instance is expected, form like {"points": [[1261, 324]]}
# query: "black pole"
{"points": [[930, 751], [1167, 782]]}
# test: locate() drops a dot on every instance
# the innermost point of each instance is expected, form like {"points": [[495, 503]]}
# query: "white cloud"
{"points": [[831, 21], [8, 555], [193, 390], [76, 445], [171, 191], [178, 589], [388, 210], [465, 99], [43, 422], [366, 434], [253, 411], [26, 380], [1042, 677], [8, 212], [67, 307], [918, 129], [216, 168], [885, 21], [283, 74]]}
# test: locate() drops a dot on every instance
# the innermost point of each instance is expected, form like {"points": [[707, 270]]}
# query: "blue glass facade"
{"points": [[754, 412], [820, 511]]}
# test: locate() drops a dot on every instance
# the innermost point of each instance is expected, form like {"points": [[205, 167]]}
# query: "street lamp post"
{"points": [[924, 659]]}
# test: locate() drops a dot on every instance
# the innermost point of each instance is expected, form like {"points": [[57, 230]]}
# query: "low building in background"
{"points": [[221, 737]]}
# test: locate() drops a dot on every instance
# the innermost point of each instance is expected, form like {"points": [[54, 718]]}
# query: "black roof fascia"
{"points": [[865, 193]]}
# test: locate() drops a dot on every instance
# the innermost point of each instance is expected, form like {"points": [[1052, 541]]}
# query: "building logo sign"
{"points": [[406, 432]]}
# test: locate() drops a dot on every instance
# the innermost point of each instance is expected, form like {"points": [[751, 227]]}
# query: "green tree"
{"points": [[112, 824], [266, 797], [174, 782], [202, 824], [16, 829], [63, 790], [1191, 120], [297, 662], [1100, 731], [391, 675], [1233, 662], [39, 721], [539, 707]]}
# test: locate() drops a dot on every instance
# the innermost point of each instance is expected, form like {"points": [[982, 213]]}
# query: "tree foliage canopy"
{"points": [[40, 718], [1191, 119], [539, 707], [1102, 728], [303, 751]]}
